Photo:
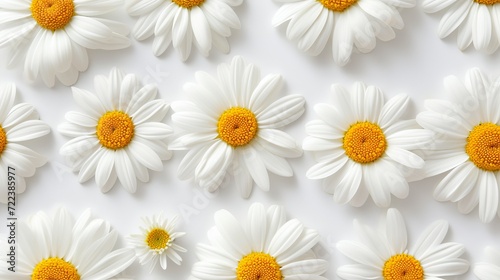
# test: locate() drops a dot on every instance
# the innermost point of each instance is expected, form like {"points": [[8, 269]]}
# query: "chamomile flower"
{"points": [[230, 125], [266, 246], [467, 145], [118, 135], [157, 241], [51, 37], [489, 270], [184, 23], [384, 254], [362, 146], [353, 25], [57, 247], [476, 22], [19, 123]]}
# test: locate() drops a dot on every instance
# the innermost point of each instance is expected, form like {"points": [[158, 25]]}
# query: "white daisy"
{"points": [[56, 247], [352, 24], [267, 247], [184, 23], [18, 123], [476, 21], [230, 125], [362, 146], [51, 37], [118, 134], [384, 253], [157, 241], [489, 270], [467, 143]]}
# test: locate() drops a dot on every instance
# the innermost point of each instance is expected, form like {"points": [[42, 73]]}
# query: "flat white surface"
{"points": [[414, 63]]}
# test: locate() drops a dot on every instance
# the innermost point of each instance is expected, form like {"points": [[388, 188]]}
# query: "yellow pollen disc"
{"points": [[157, 239], [188, 4], [364, 142], [403, 267], [337, 5], [3, 140], [487, 2], [55, 269], [237, 126], [258, 266], [115, 130], [483, 146], [52, 14]]}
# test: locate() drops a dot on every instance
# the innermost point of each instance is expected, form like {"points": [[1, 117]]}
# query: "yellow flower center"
{"points": [[337, 5], [364, 142], [115, 130], [258, 266], [487, 2], [3, 140], [52, 14], [157, 239], [403, 267], [237, 126], [188, 4], [483, 146], [55, 269]]}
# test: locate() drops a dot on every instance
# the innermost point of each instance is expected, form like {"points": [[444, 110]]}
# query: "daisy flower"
{"points": [[384, 254], [157, 241], [489, 270], [353, 25], [119, 134], [184, 23], [467, 143], [362, 147], [57, 247], [266, 246], [18, 123], [51, 37], [476, 21], [230, 125]]}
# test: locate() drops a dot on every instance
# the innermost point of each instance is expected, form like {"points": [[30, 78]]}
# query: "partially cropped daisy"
{"points": [[118, 134], [157, 241], [184, 23], [489, 270], [476, 22], [265, 246], [467, 143], [384, 253], [230, 125], [58, 248], [19, 124], [353, 25], [51, 37], [362, 147]]}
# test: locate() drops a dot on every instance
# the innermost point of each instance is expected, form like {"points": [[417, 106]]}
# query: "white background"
{"points": [[414, 63]]}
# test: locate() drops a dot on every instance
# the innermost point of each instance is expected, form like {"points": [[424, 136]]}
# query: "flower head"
{"points": [[230, 125], [119, 134], [490, 269]]}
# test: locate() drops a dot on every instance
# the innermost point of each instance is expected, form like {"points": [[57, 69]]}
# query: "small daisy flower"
{"points": [[51, 37], [57, 247], [352, 24], [489, 270], [18, 123], [230, 125], [384, 254], [476, 21], [266, 246], [157, 241], [362, 146], [119, 134], [202, 23], [467, 143]]}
